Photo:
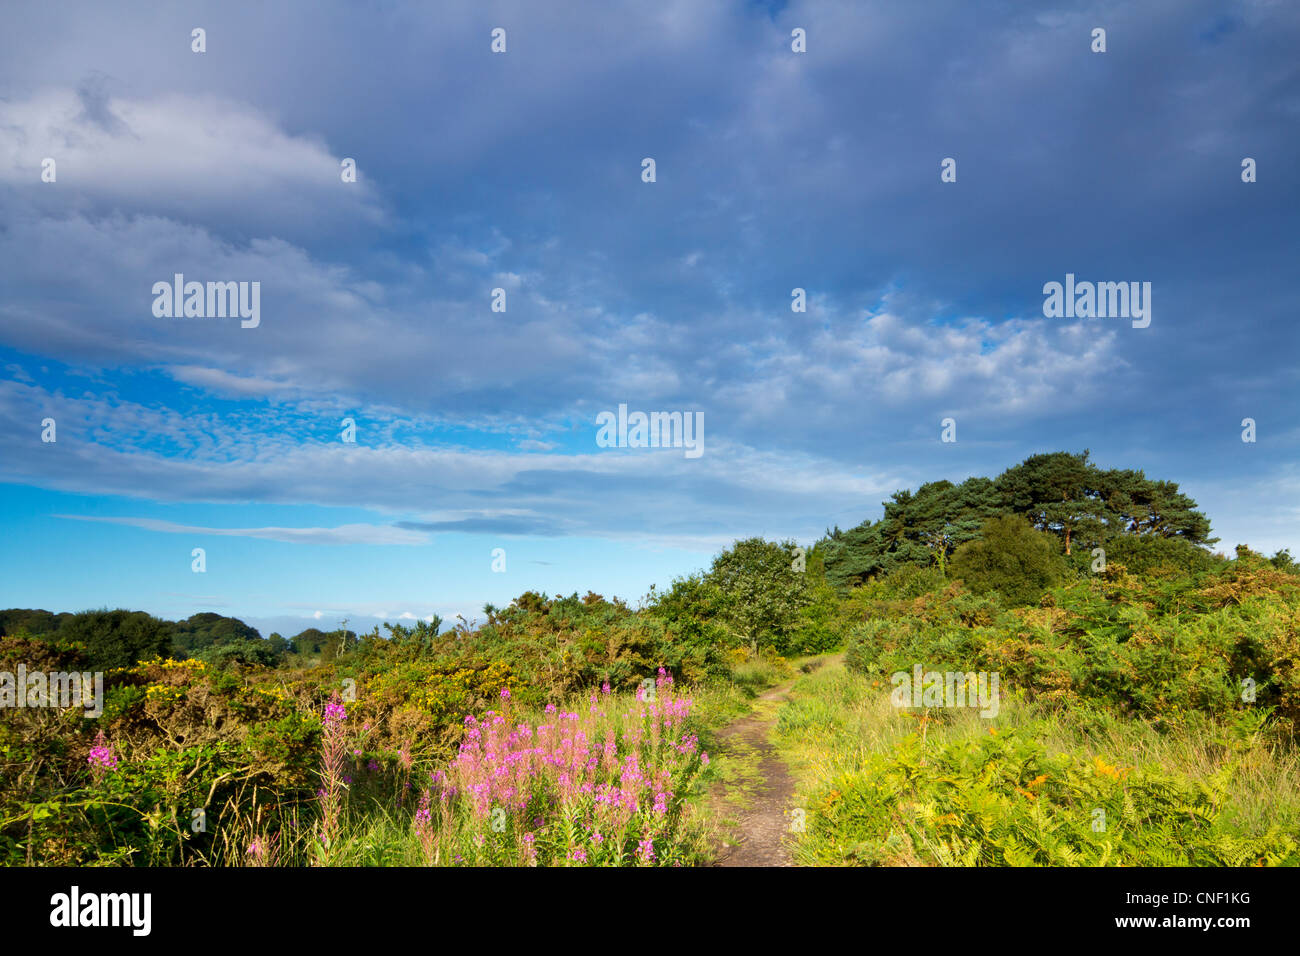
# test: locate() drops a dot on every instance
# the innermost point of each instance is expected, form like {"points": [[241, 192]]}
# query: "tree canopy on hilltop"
{"points": [[1060, 492]]}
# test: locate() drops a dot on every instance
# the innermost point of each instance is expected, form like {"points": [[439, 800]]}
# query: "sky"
{"points": [[476, 471]]}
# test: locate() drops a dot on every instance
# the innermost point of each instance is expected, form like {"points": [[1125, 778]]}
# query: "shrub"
{"points": [[864, 645], [1141, 553], [912, 581], [221, 656], [1010, 559]]}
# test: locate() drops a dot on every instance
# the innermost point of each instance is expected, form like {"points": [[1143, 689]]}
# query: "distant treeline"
{"points": [[120, 638]]}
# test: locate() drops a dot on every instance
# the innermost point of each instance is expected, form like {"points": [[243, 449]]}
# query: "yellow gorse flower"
{"points": [[190, 664], [163, 692]]}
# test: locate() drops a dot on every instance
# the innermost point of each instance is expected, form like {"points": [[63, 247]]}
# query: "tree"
{"points": [[207, 629], [308, 642], [1060, 492], [691, 608], [1141, 553], [313, 642], [118, 638], [222, 656], [1012, 558], [1141, 506], [917, 528], [761, 594], [38, 623], [1283, 561]]}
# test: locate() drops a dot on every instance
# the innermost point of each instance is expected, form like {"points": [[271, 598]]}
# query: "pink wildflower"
{"points": [[102, 760], [335, 712]]}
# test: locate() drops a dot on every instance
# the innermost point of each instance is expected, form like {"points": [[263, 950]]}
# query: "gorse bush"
{"points": [[183, 739], [560, 645], [865, 645]]}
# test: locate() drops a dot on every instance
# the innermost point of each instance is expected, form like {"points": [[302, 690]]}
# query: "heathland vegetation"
{"points": [[1148, 706]]}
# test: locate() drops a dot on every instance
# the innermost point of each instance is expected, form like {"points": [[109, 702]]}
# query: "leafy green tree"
{"points": [[761, 595], [207, 629], [339, 642], [1010, 558], [1141, 553], [307, 642], [118, 638], [36, 622], [918, 528], [692, 609]]}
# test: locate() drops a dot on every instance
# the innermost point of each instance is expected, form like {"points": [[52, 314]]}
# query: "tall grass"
{"points": [[948, 787]]}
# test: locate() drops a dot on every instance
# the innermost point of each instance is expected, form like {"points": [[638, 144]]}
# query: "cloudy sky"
{"points": [[523, 171]]}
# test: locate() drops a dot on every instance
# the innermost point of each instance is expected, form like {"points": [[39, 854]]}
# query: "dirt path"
{"points": [[761, 793]]}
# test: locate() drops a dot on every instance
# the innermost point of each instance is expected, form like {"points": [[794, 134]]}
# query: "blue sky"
{"points": [[475, 429]]}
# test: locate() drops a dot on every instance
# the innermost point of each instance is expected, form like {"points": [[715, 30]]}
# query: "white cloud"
{"points": [[197, 157], [342, 534], [221, 382]]}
